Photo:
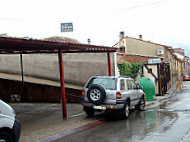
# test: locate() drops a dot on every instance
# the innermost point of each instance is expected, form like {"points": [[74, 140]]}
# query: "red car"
{"points": [[186, 78]]}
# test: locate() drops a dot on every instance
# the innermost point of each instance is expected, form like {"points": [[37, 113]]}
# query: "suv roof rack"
{"points": [[125, 76]]}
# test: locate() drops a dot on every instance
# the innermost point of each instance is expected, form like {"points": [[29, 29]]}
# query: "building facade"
{"points": [[150, 68], [171, 64], [139, 46]]}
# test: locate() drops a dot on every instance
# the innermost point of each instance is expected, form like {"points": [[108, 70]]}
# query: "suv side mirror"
{"points": [[140, 87]]}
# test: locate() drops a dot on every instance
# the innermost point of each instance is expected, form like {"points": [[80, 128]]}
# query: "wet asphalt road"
{"points": [[169, 122]]}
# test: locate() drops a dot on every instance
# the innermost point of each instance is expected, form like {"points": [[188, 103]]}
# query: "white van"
{"points": [[10, 127]]}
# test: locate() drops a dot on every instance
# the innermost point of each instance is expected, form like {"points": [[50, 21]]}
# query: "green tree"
{"points": [[125, 69], [131, 69]]}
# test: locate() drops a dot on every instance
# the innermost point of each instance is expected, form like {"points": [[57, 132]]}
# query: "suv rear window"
{"points": [[107, 83]]}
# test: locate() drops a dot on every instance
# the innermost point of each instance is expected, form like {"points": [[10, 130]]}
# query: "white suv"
{"points": [[110, 93], [9, 127]]}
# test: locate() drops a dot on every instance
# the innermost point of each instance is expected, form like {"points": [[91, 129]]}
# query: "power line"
{"points": [[14, 19], [138, 6], [114, 11]]}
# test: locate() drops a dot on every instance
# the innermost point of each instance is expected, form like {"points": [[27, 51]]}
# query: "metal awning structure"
{"points": [[32, 46]]}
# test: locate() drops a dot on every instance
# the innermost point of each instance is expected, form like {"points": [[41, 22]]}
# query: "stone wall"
{"points": [[78, 67]]}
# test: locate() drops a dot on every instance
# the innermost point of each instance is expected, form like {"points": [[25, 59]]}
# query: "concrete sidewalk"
{"points": [[171, 92], [43, 121]]}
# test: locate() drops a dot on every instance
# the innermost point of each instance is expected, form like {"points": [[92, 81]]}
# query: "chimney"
{"points": [[89, 41], [121, 35], [140, 37]]}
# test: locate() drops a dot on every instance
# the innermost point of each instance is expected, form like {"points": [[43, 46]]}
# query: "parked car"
{"points": [[186, 78], [115, 94], [10, 127]]}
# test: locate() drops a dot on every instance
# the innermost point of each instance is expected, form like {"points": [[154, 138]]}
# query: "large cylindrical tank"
{"points": [[148, 88]]}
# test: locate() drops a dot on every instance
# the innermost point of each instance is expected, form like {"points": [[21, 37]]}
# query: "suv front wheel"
{"points": [[124, 113], [141, 104], [5, 137]]}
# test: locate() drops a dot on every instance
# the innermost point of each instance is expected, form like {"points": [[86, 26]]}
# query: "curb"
{"points": [[172, 94], [149, 104]]}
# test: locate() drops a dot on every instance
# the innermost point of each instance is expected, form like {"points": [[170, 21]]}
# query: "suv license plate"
{"points": [[100, 107]]}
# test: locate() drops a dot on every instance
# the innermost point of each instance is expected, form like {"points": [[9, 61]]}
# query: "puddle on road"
{"points": [[140, 126], [167, 110], [172, 105]]}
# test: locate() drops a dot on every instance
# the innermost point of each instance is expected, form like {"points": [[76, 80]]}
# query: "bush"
{"points": [[131, 69]]}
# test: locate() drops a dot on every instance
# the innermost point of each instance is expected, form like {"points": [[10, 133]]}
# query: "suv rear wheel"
{"points": [[89, 111]]}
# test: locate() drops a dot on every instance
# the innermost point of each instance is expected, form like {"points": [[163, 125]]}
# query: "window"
{"points": [[134, 85], [122, 84], [129, 85], [122, 49], [107, 83], [149, 70]]}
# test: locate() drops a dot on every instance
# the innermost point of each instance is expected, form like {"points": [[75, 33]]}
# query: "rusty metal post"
{"points": [[62, 84], [109, 63], [159, 79], [21, 66], [22, 73]]}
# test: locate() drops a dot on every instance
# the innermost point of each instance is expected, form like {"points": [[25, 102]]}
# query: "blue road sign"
{"points": [[66, 27]]}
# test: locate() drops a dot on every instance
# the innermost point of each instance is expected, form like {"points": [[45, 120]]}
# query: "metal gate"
{"points": [[164, 77]]}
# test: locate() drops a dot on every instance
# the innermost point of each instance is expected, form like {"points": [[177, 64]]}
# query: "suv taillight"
{"points": [[118, 95], [83, 91]]}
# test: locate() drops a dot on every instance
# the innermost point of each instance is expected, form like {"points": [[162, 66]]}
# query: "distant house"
{"points": [[187, 66], [180, 53], [170, 67], [139, 46]]}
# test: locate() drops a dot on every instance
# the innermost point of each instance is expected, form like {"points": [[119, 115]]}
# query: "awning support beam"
{"points": [[62, 84], [22, 73], [109, 64]]}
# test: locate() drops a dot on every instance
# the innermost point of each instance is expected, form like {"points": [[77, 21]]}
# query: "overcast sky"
{"points": [[161, 21]]}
